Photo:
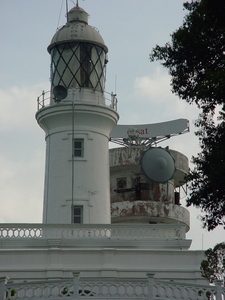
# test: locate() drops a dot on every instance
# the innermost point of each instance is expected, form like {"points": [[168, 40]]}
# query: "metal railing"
{"points": [[111, 288], [44, 99]]}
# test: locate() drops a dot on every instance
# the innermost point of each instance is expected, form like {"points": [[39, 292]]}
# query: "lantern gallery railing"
{"points": [[112, 288], [94, 231], [45, 98]]}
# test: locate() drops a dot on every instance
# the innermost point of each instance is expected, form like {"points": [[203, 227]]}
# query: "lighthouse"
{"points": [[77, 118], [138, 250]]}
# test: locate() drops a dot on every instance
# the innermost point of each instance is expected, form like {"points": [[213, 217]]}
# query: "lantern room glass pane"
{"points": [[78, 65], [86, 65]]}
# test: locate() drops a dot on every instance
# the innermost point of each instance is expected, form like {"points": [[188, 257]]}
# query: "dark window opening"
{"points": [[78, 214], [78, 148]]}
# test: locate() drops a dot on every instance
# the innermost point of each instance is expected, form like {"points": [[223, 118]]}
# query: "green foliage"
{"points": [[207, 179], [213, 267], [10, 294], [195, 58]]}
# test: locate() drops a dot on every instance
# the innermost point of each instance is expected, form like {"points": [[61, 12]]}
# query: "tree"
{"points": [[195, 58], [213, 267]]}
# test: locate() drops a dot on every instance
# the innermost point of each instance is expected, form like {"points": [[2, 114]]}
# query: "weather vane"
{"points": [[77, 4]]}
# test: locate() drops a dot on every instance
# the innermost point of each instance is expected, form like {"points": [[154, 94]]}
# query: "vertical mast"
{"points": [[66, 10]]}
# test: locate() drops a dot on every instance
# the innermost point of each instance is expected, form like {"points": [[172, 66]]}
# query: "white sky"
{"points": [[130, 29]]}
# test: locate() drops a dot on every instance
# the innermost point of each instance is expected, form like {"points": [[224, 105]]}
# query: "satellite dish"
{"points": [[60, 93], [157, 165]]}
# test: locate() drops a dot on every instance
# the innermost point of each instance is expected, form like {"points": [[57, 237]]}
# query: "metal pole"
{"points": [[72, 156], [72, 144], [67, 10], [43, 98], [167, 190]]}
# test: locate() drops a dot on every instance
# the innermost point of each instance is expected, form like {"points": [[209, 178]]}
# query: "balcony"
{"points": [[95, 235], [80, 96]]}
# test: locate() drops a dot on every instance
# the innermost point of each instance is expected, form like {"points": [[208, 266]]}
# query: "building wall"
{"points": [[53, 263], [89, 174]]}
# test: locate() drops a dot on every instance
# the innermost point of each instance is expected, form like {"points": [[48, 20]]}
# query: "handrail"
{"points": [[44, 99]]}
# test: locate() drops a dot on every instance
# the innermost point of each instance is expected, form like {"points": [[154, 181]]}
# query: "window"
{"points": [[77, 214], [78, 148]]}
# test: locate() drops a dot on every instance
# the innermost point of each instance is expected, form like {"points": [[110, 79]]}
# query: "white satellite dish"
{"points": [[60, 93], [157, 165]]}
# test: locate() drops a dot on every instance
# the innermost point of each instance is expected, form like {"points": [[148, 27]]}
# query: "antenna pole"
{"points": [[67, 10], [115, 83], [77, 3]]}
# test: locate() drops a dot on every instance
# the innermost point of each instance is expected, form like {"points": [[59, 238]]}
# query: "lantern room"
{"points": [[78, 55]]}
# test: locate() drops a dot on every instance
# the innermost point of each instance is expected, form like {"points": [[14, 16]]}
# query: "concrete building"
{"points": [[133, 247]]}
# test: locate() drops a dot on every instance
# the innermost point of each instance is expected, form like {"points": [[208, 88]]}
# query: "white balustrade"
{"points": [[111, 231], [173, 290], [111, 288]]}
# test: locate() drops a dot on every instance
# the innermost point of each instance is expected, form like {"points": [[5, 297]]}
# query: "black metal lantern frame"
{"points": [[78, 64]]}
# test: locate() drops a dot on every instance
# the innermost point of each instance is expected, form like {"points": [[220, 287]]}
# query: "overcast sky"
{"points": [[130, 29]]}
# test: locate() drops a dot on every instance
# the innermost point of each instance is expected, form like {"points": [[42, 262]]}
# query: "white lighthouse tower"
{"points": [[77, 121]]}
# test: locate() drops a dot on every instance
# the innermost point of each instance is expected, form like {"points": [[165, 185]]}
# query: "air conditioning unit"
{"points": [[124, 183]]}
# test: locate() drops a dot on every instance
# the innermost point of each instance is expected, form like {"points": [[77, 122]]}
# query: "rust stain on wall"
{"points": [[149, 210], [142, 198], [166, 210]]}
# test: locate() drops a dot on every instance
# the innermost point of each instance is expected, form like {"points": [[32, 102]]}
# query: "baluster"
{"points": [[218, 284], [3, 282], [76, 276], [150, 285]]}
